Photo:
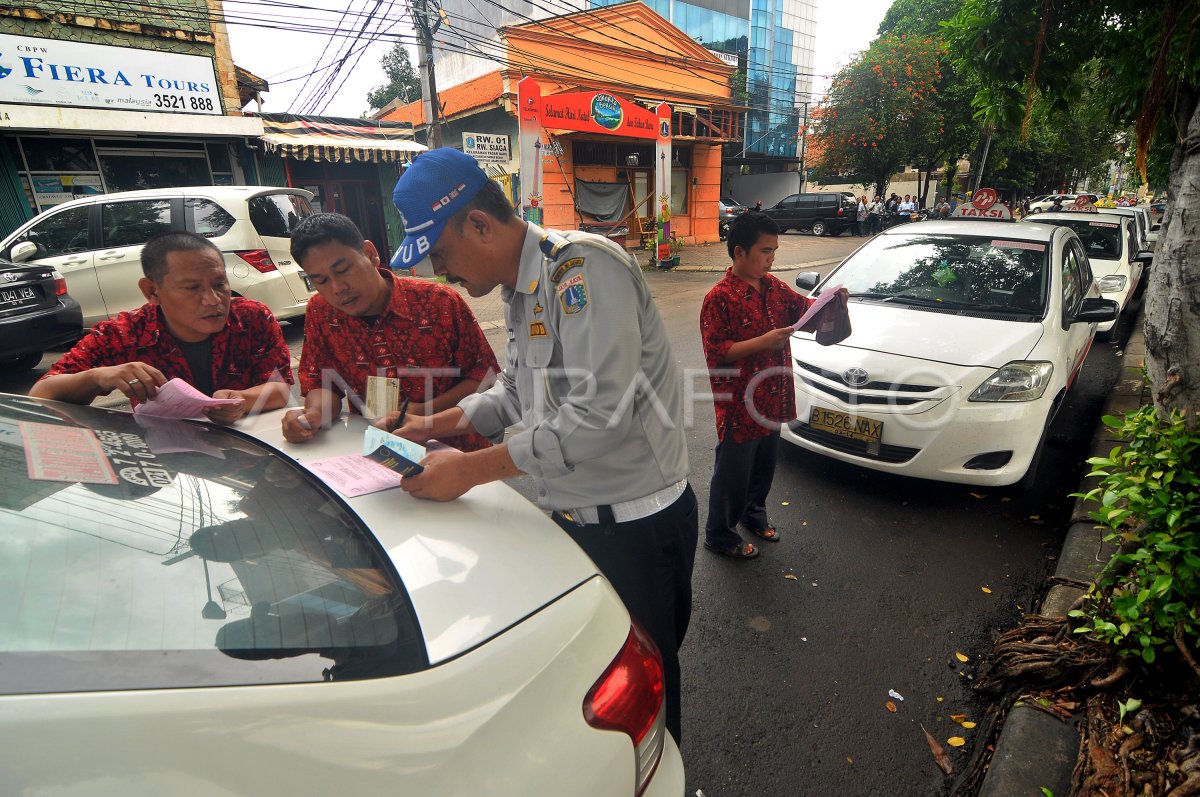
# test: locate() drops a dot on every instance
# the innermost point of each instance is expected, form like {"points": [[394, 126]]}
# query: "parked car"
{"points": [[1146, 239], [727, 211], [192, 610], [966, 337], [1112, 249], [37, 314], [1046, 201], [827, 213], [96, 243]]}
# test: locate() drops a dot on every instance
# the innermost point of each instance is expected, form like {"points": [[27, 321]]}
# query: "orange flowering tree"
{"points": [[879, 107]]}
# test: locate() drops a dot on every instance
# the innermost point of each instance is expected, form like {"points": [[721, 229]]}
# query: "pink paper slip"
{"points": [[178, 399], [828, 294], [65, 454], [353, 474]]}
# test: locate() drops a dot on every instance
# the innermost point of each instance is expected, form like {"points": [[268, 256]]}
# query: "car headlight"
{"points": [[1112, 283], [1017, 381]]}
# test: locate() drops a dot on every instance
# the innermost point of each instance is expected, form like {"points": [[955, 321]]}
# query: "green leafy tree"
{"points": [[403, 83], [1149, 59], [877, 106]]}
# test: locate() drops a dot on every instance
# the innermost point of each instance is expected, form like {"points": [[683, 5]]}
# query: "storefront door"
{"points": [[356, 199]]}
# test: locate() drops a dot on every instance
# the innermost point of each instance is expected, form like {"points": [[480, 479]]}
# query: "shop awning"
{"points": [[338, 140]]}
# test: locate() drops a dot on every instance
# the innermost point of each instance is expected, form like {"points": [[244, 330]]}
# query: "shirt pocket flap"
{"points": [[539, 353]]}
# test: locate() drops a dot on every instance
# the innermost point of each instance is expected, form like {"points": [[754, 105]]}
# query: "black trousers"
{"points": [[649, 563], [741, 480]]}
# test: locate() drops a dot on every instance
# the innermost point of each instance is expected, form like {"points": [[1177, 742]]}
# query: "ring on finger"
{"points": [[133, 382]]}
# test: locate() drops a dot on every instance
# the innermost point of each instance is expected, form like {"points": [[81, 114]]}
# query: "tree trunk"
{"points": [[1173, 290]]}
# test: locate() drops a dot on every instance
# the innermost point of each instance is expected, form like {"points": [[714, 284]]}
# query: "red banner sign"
{"points": [[598, 112]]}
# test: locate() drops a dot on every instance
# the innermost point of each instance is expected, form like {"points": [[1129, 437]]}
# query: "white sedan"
{"points": [[966, 336], [1111, 242], [191, 611]]}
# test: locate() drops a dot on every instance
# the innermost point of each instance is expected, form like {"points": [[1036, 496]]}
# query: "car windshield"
{"points": [[958, 272], [1101, 239], [143, 553], [276, 215], [729, 202]]}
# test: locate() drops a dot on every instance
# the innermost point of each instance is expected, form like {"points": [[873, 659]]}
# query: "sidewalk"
{"points": [[1035, 750]]}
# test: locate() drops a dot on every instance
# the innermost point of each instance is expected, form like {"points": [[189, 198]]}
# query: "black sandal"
{"points": [[743, 550]]}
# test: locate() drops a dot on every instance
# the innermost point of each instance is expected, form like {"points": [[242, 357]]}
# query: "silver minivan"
{"points": [[96, 243]]}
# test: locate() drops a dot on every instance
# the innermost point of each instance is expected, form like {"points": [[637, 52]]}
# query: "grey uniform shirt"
{"points": [[589, 372]]}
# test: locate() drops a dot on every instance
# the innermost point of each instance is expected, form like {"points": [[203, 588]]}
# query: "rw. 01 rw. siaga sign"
{"points": [[70, 74]]}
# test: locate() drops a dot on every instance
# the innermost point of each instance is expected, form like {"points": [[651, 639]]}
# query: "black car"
{"points": [[824, 213], [36, 314]]}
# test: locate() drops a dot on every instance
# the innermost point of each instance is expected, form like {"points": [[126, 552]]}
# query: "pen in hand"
{"points": [[403, 412]]}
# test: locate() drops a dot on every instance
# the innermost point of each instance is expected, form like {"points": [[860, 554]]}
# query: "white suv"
{"points": [[96, 243]]}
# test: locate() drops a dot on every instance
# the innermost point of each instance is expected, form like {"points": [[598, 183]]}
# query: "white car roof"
{"points": [[241, 192], [1074, 214], [1025, 231]]}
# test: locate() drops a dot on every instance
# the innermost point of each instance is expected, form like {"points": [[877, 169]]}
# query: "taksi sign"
{"points": [[486, 147], [37, 71], [984, 204]]}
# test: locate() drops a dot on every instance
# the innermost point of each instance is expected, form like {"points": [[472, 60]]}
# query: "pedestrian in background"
{"points": [[877, 210], [745, 325], [591, 377], [861, 224]]}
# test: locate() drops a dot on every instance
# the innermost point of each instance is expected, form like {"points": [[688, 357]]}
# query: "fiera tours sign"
{"points": [[38, 71]]}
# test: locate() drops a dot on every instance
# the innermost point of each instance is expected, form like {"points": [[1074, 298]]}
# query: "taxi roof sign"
{"points": [[1082, 204], [984, 206]]}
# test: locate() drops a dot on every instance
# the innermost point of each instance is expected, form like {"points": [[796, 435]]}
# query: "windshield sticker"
{"points": [[1103, 224], [65, 454], [1030, 245]]}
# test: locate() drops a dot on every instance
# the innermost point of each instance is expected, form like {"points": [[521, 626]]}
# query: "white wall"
{"points": [[769, 188]]}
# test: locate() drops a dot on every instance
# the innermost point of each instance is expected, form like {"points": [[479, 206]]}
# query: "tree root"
{"points": [[1181, 643]]}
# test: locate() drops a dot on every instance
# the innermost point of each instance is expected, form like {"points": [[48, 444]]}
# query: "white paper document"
{"points": [[178, 399]]}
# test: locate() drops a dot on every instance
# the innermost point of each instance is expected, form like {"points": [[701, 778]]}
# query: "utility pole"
{"points": [[803, 145], [425, 29]]}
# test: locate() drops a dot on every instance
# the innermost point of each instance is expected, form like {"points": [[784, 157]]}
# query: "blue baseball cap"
{"points": [[437, 185]]}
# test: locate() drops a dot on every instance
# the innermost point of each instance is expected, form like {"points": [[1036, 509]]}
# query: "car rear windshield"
{"points": [[956, 272], [1101, 239], [276, 215], [159, 553]]}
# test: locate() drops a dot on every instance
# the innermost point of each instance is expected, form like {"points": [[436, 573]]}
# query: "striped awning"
{"points": [[338, 140]]}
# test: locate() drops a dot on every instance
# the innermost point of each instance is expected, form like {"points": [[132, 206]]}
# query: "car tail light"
{"points": [[60, 284], [629, 698], [259, 258], [841, 211]]}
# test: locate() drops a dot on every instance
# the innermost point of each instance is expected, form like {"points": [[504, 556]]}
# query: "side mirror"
{"points": [[1155, 227], [807, 280], [1096, 311], [23, 251], [1144, 257]]}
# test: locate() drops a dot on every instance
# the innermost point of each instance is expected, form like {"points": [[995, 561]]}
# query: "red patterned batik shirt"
{"points": [[249, 351], [734, 311], [425, 327]]}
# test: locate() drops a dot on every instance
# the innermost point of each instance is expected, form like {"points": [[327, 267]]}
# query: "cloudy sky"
{"points": [[274, 50]]}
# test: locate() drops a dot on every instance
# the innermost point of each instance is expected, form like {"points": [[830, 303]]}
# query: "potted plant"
{"points": [[676, 250]]}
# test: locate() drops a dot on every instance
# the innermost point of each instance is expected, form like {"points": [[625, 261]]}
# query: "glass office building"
{"points": [[773, 41]]}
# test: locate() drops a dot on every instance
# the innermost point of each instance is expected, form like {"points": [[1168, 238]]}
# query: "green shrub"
{"points": [[1149, 496]]}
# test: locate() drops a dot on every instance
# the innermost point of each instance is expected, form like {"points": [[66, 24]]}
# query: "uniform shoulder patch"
{"points": [[561, 270], [572, 295]]}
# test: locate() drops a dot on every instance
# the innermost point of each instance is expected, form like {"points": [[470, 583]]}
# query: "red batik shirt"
{"points": [[424, 326], [734, 311], [249, 351]]}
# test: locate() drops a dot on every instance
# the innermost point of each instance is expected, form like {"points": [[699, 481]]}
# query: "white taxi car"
{"points": [[191, 611], [1111, 242], [966, 336]]}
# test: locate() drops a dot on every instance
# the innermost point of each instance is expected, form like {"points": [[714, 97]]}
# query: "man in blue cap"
{"points": [[590, 375]]}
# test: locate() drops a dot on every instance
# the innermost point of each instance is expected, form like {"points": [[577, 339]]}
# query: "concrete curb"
{"points": [[1034, 749], [810, 265]]}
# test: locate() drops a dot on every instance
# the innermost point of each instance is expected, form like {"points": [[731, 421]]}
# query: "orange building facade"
{"points": [[628, 51]]}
